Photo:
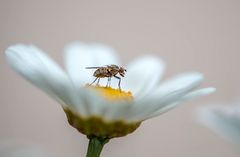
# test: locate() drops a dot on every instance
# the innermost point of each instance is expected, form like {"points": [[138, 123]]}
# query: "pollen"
{"points": [[112, 94]]}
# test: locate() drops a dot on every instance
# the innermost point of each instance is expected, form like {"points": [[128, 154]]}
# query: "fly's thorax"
{"points": [[113, 69]]}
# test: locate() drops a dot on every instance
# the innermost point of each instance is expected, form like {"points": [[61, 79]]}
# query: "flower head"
{"points": [[98, 110], [224, 120]]}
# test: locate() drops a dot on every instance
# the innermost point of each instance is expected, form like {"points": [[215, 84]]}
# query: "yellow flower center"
{"points": [[112, 94]]}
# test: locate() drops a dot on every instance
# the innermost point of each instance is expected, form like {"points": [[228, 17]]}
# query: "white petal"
{"points": [[143, 75], [117, 111], [187, 97], [198, 93], [180, 83], [78, 56], [224, 120], [97, 105], [39, 69], [168, 93]]}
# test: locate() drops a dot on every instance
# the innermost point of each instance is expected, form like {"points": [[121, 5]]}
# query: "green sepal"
{"points": [[98, 127]]}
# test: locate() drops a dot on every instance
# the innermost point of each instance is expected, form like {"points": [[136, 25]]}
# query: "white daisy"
{"points": [[102, 112], [97, 110], [224, 120]]}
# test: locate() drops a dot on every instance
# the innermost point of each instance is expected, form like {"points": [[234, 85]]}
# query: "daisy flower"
{"points": [[224, 120], [98, 111]]}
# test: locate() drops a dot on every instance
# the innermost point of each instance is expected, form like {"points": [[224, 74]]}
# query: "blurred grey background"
{"points": [[188, 35]]}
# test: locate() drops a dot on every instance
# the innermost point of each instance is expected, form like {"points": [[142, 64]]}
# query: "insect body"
{"points": [[108, 71]]}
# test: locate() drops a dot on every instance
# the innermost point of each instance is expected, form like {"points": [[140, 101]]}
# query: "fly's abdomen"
{"points": [[101, 72]]}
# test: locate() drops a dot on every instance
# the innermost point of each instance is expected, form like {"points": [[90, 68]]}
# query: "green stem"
{"points": [[95, 146]]}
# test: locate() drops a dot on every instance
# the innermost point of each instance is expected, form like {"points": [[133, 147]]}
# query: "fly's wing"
{"points": [[93, 67]]}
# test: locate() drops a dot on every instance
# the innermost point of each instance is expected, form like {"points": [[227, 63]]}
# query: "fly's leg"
{"points": [[98, 81], [119, 83], [94, 80], [108, 82]]}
